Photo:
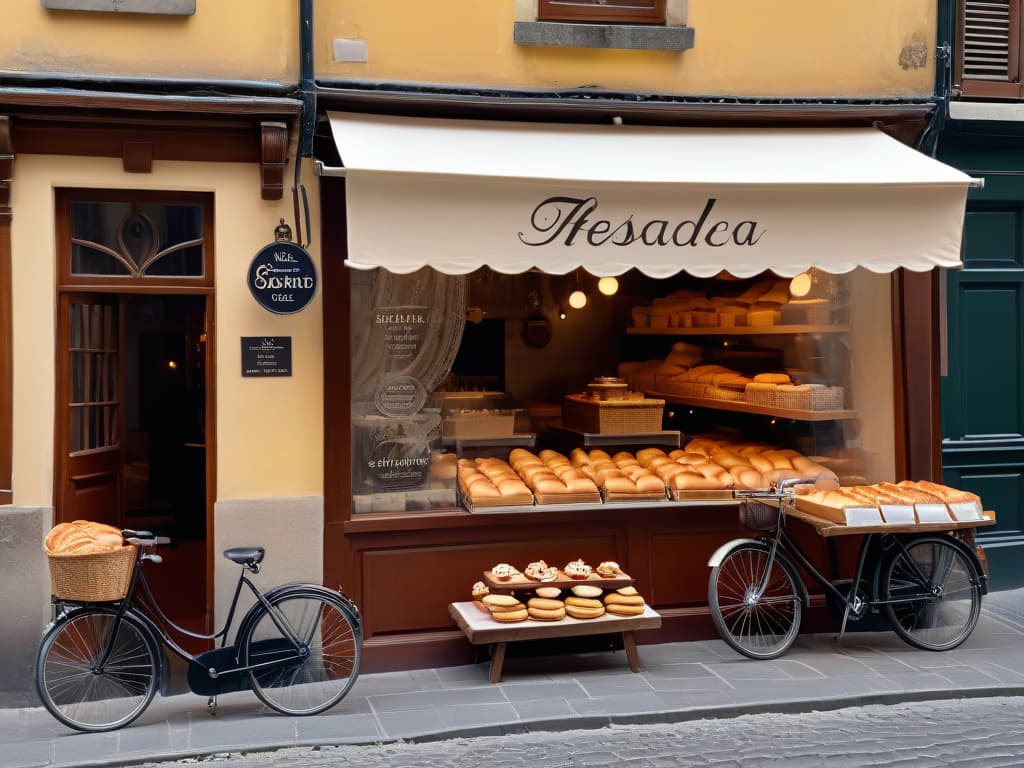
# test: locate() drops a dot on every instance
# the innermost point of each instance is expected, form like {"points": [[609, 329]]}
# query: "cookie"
{"points": [[608, 568], [630, 590], [587, 590], [579, 612], [509, 617], [505, 608], [541, 614], [505, 600], [583, 602], [481, 607], [548, 592], [614, 598], [545, 604], [625, 610]]}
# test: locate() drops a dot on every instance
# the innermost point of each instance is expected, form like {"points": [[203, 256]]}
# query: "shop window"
{"points": [[139, 238], [639, 11], [474, 367], [989, 55], [162, 7]]}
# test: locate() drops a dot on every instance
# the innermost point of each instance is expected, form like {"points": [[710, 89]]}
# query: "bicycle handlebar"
{"points": [[151, 541]]}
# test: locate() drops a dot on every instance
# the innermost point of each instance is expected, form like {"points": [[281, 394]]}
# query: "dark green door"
{"points": [[983, 389]]}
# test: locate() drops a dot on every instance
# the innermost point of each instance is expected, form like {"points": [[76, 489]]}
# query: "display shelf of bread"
{"points": [[553, 479], [491, 482], [620, 477], [89, 561], [906, 503], [768, 393], [764, 305]]}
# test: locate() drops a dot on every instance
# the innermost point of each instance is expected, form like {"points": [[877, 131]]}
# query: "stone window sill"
{"points": [[647, 37], [162, 7]]}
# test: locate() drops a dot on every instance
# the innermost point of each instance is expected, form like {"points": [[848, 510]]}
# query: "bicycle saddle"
{"points": [[245, 555]]}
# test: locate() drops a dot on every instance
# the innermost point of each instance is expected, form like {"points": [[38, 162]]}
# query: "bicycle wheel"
{"points": [[314, 675], [88, 698], [932, 593], [761, 626]]}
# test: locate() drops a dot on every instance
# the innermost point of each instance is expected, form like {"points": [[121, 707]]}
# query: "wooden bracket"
{"points": [[137, 156], [273, 159]]}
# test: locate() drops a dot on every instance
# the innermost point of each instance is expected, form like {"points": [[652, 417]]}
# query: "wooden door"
{"points": [[89, 415]]}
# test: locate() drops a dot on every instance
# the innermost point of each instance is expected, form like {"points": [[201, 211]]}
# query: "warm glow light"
{"points": [[577, 299], [561, 314], [609, 286], [800, 285], [171, 364]]}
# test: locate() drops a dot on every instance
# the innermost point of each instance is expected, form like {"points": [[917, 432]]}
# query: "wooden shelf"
{"points": [[743, 407], [740, 330], [669, 438]]}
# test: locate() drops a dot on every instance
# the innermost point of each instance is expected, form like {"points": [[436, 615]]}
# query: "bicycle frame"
{"points": [[140, 611]]}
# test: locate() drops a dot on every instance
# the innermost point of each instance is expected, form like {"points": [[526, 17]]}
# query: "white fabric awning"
{"points": [[456, 195]]}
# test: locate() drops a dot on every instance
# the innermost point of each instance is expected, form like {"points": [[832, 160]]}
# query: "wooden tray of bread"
{"points": [[675, 494]]}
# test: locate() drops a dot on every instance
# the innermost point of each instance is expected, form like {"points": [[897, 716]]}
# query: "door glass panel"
{"points": [[93, 370], [136, 239]]}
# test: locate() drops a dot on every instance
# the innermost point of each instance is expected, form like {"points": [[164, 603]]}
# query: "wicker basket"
{"points": [[758, 515], [94, 578], [827, 399], [611, 417]]}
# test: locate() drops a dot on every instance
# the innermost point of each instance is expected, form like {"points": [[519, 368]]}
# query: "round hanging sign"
{"points": [[282, 278]]}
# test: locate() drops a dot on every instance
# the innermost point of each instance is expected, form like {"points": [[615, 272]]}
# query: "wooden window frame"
{"points": [[166, 284], [588, 10], [1013, 87]]}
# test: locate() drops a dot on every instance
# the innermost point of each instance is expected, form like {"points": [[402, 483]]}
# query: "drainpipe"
{"points": [[307, 121]]}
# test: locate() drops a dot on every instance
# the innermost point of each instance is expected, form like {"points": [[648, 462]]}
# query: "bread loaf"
{"points": [[82, 537]]}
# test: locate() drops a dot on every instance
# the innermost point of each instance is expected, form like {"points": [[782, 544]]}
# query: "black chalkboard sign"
{"points": [[282, 278], [266, 355]]}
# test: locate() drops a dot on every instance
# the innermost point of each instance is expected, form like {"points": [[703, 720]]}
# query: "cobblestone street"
{"points": [[988, 733]]}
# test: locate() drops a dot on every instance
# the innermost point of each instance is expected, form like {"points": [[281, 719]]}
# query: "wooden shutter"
{"points": [[642, 11], [990, 48]]}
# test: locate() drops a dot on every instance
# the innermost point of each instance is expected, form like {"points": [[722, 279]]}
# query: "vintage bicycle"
{"points": [[926, 582], [298, 648]]}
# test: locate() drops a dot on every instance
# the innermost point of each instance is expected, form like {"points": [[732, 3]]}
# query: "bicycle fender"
{"points": [[719, 554]]}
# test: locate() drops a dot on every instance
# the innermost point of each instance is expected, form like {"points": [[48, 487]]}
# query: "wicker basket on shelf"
{"points": [[611, 417], [94, 578]]}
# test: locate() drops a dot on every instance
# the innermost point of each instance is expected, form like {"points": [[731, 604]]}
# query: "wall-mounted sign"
{"points": [[266, 355], [282, 278]]}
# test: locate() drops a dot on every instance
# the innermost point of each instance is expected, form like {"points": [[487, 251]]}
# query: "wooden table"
{"points": [[481, 629]]}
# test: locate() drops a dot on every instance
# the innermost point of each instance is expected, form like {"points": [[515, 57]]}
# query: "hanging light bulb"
{"points": [[577, 299], [609, 286], [801, 285]]}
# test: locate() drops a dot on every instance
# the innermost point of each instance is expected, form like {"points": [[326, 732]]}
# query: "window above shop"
{"points": [[163, 7], [139, 238], [639, 24], [989, 52]]}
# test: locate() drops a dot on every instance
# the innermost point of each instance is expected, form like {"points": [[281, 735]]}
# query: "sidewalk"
{"points": [[681, 681]]}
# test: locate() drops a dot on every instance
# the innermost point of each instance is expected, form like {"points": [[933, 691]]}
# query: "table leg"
{"points": [[629, 643], [497, 660]]}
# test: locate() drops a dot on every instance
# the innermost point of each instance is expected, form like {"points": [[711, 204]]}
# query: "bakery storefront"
{"points": [[562, 342]]}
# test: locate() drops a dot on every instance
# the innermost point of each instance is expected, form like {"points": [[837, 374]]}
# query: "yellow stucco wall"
{"points": [[743, 48], [225, 39], [269, 431]]}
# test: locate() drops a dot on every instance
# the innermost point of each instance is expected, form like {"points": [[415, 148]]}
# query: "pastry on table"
{"points": [[577, 569]]}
